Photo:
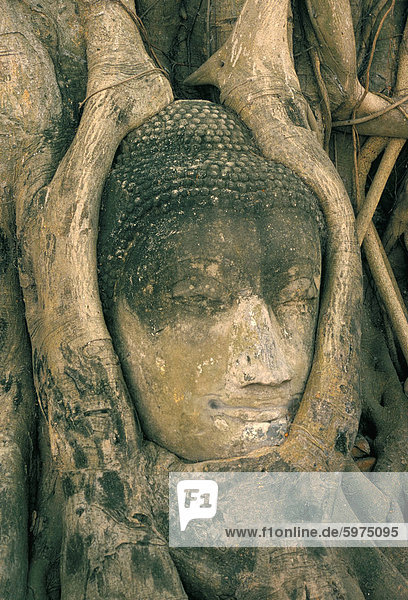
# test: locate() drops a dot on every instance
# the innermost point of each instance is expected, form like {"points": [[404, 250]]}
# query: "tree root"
{"points": [[398, 222], [17, 397], [255, 74], [89, 415], [367, 210], [369, 152], [379, 265], [332, 23], [387, 286]]}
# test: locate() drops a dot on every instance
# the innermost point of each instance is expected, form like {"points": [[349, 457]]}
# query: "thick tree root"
{"points": [[332, 23], [90, 419], [17, 397], [255, 74]]}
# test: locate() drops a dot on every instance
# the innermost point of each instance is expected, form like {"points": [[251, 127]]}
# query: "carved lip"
{"points": [[247, 413], [262, 414]]}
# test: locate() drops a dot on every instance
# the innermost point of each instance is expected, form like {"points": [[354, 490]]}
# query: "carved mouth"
{"points": [[252, 413], [246, 413]]}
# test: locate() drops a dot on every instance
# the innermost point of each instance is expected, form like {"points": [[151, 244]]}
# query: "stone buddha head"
{"points": [[210, 267]]}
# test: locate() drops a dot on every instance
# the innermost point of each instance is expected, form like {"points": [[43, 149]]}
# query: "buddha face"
{"points": [[214, 321]]}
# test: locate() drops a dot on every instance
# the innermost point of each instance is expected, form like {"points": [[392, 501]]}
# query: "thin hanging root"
{"points": [[390, 340], [376, 252], [380, 267], [387, 287], [369, 152], [326, 114], [398, 222], [374, 12], [122, 82], [372, 52], [374, 194], [257, 79], [321, 86], [375, 115]]}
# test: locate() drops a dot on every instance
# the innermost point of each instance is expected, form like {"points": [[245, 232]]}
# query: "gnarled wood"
{"points": [[17, 414], [81, 390], [25, 106], [376, 257], [94, 435], [333, 26], [374, 194], [255, 74]]}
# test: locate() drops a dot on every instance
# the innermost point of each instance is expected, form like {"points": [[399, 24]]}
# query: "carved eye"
{"points": [[200, 294], [301, 290], [200, 287]]}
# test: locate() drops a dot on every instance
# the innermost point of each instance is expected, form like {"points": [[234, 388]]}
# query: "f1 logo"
{"points": [[197, 499]]}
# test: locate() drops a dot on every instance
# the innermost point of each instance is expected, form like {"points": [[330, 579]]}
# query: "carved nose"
{"points": [[256, 354]]}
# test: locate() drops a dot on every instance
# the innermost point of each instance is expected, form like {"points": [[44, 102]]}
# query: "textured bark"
{"points": [[332, 23], [256, 76], [17, 437], [25, 102], [94, 435]]}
